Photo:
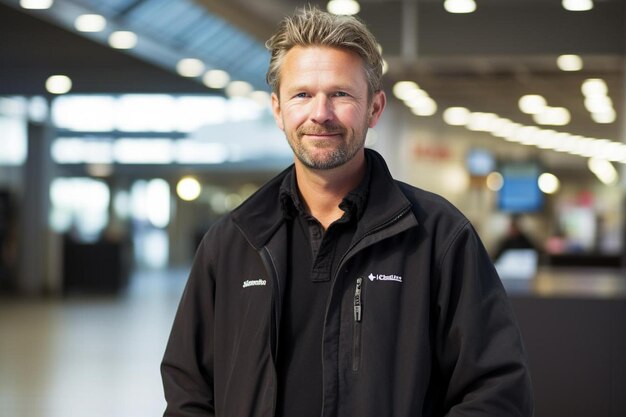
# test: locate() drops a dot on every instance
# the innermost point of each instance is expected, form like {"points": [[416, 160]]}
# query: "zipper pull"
{"points": [[357, 299]]}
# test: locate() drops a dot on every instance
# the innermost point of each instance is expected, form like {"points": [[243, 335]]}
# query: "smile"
{"points": [[321, 135]]}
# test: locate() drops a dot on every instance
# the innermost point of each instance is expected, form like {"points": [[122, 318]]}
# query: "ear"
{"points": [[276, 111], [376, 107]]}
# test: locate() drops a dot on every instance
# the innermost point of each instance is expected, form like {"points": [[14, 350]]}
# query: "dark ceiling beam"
{"points": [[241, 16], [504, 28], [33, 49]]}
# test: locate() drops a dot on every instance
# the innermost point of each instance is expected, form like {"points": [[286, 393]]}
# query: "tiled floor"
{"points": [[88, 356]]}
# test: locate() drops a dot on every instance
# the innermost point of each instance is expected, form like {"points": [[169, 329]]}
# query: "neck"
{"points": [[323, 190]]}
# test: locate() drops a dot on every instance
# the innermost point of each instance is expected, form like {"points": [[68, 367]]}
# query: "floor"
{"points": [[88, 356]]}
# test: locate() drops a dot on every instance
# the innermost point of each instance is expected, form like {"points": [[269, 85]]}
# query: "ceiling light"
{"points": [[238, 89], [506, 130], [548, 183], [611, 151], [216, 78], [415, 98], [527, 135], [497, 124], [603, 169], [481, 122], [577, 5], [188, 189], [123, 39], [459, 6], [564, 142], [425, 106], [456, 116], [569, 63], [604, 117], [495, 181], [598, 104], [58, 84], [532, 104], [616, 151], [584, 147], [555, 116], [404, 89], [190, 67], [90, 23], [343, 7], [547, 139], [36, 4], [594, 86]]}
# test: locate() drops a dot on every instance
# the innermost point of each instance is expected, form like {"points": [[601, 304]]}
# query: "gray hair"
{"points": [[313, 27]]}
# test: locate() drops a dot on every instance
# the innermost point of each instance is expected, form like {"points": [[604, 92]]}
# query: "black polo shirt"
{"points": [[314, 256]]}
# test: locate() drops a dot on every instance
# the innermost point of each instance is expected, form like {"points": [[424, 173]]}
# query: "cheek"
{"points": [[351, 117], [294, 116]]}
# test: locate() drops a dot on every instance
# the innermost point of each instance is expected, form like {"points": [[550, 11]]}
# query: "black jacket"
{"points": [[417, 321]]}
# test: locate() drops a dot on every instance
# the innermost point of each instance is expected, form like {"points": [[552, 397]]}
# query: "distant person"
{"points": [[335, 290], [515, 238]]}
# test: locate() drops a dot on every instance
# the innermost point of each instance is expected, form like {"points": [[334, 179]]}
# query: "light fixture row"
{"points": [[543, 114], [534, 136], [352, 7], [597, 100], [220, 79], [415, 98], [186, 67], [469, 6]]}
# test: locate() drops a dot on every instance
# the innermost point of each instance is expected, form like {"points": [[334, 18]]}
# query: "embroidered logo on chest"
{"points": [[382, 277], [254, 283]]}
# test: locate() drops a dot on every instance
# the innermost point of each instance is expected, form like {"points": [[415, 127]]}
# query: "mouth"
{"points": [[321, 135]]}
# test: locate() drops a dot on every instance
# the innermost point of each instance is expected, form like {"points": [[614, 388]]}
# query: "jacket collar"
{"points": [[353, 204], [261, 215]]}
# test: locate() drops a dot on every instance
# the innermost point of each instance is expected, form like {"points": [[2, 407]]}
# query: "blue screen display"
{"points": [[520, 191]]}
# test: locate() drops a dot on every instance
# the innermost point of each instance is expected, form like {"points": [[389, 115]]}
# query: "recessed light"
{"points": [[343, 7], [216, 78], [36, 4], [577, 5], [90, 23], [569, 63], [190, 67], [459, 6], [238, 89], [58, 84], [532, 103], [123, 39]]}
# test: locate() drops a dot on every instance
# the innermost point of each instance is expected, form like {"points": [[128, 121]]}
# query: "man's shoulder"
{"points": [[430, 208]]}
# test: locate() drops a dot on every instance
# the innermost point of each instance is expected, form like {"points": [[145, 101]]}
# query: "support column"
{"points": [[34, 272]]}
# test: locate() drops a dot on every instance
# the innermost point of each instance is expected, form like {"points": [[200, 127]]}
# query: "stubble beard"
{"points": [[335, 152]]}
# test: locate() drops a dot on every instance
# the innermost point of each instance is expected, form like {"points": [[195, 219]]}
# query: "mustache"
{"points": [[325, 129]]}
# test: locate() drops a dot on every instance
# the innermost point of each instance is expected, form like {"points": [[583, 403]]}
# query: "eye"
{"points": [[301, 95], [341, 94]]}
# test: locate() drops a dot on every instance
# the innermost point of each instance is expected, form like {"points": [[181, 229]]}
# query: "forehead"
{"points": [[322, 64]]}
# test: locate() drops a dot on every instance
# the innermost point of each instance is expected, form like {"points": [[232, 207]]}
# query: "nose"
{"points": [[322, 111]]}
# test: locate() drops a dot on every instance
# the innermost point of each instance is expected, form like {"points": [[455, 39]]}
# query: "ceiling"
{"points": [[484, 61]]}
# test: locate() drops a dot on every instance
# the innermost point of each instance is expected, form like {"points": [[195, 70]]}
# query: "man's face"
{"points": [[323, 106]]}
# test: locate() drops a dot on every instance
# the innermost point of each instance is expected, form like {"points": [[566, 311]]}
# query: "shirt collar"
{"points": [[353, 204]]}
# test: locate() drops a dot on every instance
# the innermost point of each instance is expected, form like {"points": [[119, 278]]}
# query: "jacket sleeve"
{"points": [[480, 352], [187, 367]]}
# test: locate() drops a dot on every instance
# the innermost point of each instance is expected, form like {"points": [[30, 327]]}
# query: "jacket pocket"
{"points": [[358, 314]]}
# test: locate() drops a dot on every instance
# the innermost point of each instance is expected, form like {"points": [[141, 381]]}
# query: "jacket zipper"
{"points": [[358, 313], [341, 263], [358, 299]]}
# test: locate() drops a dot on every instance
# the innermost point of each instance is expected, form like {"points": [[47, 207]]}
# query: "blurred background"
{"points": [[127, 127]]}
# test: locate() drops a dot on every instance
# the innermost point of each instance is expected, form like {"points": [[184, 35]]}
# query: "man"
{"points": [[334, 290]]}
